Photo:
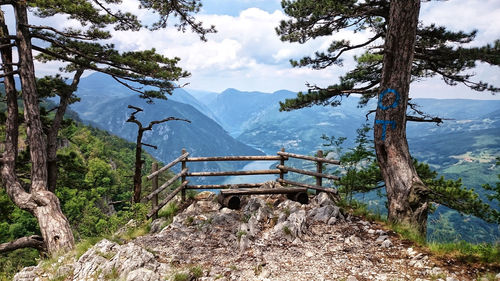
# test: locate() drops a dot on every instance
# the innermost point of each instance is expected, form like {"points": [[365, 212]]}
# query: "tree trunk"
{"points": [[406, 192], [44, 205], [138, 166]]}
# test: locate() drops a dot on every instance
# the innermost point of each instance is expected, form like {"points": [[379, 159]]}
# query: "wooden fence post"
{"points": [[282, 163], [183, 178], [155, 187], [319, 169]]}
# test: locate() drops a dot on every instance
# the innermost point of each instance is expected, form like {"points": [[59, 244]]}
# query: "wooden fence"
{"points": [[280, 171]]}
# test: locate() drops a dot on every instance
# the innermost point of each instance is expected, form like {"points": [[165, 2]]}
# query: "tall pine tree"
{"points": [[399, 51], [81, 49]]}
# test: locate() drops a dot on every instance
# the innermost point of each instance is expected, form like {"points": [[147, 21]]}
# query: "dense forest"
{"points": [[94, 187]]}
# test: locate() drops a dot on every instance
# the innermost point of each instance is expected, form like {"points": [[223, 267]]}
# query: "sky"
{"points": [[246, 53]]}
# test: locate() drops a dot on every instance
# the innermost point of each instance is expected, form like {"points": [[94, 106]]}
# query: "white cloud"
{"points": [[247, 54], [466, 15]]}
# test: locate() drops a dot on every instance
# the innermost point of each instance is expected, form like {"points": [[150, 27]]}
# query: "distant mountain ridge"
{"points": [[105, 106]]}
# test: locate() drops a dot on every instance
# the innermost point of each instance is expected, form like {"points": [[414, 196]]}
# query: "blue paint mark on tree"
{"points": [[384, 125], [381, 98], [381, 105]]}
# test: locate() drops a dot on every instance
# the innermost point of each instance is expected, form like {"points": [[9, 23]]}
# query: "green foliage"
{"points": [[358, 169], [360, 174], [438, 51], [93, 171], [495, 196], [83, 46]]}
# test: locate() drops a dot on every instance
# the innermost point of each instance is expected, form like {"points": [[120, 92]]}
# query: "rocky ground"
{"points": [[269, 238]]}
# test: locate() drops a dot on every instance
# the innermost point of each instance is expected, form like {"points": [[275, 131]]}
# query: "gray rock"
{"points": [[253, 204], [225, 217], [381, 239], [264, 213], [205, 195], [323, 199], [199, 207], [142, 274], [244, 242], [323, 214], [27, 274], [451, 278], [289, 206], [351, 278], [386, 244], [130, 257], [253, 226], [497, 277], [294, 227], [156, 225], [332, 220], [92, 260]]}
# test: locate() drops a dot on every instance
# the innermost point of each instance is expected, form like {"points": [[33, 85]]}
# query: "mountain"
{"points": [[103, 88], [234, 108], [464, 146], [106, 107]]}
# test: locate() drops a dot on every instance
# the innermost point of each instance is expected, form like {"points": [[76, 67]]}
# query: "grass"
{"points": [[189, 221], [169, 213], [181, 276], [484, 253], [287, 230], [82, 246], [135, 232], [194, 273], [240, 234]]}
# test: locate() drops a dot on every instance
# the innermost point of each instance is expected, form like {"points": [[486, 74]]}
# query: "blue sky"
{"points": [[247, 54]]}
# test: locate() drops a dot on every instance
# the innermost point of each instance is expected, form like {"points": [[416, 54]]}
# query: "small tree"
{"points": [[138, 147]]}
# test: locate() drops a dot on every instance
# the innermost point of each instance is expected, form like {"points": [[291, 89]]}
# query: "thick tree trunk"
{"points": [[406, 192], [44, 205]]}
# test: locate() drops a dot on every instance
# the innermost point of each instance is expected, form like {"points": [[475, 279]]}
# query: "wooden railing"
{"points": [[280, 170]]}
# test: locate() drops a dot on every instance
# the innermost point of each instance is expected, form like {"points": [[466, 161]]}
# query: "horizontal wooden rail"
{"points": [[311, 158], [309, 173], [233, 173], [315, 187], [246, 191], [233, 158], [165, 185], [177, 160], [168, 198], [224, 186]]}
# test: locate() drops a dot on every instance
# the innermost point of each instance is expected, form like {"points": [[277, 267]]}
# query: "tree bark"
{"points": [[44, 205], [138, 166], [33, 241], [406, 193], [54, 130]]}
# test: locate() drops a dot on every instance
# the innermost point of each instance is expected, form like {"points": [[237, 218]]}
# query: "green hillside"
{"points": [[95, 169]]}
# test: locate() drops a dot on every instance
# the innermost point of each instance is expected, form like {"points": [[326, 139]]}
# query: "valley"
{"points": [[249, 123]]}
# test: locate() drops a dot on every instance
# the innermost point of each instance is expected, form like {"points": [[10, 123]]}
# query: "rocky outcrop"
{"points": [[269, 238]]}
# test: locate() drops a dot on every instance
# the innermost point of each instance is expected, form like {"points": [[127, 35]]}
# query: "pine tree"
{"points": [[80, 49], [399, 51]]}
